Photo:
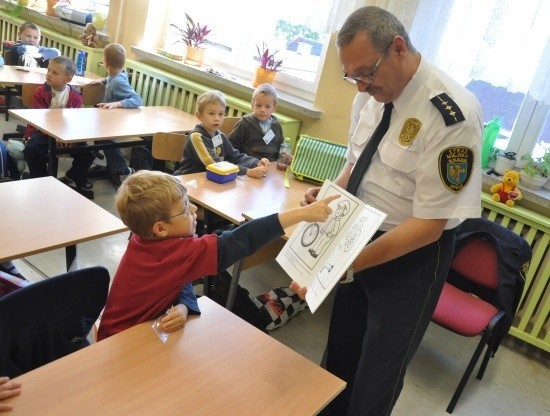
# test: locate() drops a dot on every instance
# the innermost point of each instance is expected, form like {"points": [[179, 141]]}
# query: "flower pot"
{"points": [[50, 10], [263, 76], [194, 56], [533, 182], [502, 164]]}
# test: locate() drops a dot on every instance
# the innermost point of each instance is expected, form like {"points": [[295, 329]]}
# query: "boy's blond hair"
{"points": [[210, 97], [267, 90], [114, 55], [147, 197], [67, 63]]}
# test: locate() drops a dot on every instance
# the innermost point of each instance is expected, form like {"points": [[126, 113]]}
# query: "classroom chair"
{"points": [[9, 91], [483, 289], [50, 319], [229, 124]]}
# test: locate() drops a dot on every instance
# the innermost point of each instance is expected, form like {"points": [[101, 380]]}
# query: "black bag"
{"points": [[243, 306]]}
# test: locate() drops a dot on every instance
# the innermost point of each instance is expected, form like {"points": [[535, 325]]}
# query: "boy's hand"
{"points": [[110, 106], [264, 162], [300, 290], [8, 388], [319, 211], [175, 318], [257, 172], [96, 81]]}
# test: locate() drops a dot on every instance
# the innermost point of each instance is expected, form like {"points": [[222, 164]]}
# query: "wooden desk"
{"points": [[37, 215], [73, 125], [217, 365], [19, 75], [257, 197], [231, 200]]}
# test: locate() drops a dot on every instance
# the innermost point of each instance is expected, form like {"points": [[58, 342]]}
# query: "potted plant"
{"points": [[268, 66], [535, 172], [504, 161], [193, 36]]}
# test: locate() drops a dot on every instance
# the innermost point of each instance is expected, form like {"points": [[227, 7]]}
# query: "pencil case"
{"points": [[222, 172], [316, 160]]}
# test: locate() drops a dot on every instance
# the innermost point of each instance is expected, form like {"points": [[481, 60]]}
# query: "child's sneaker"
{"points": [[81, 184], [130, 171]]}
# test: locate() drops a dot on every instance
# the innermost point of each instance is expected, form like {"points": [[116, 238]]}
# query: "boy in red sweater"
{"points": [[163, 255]]}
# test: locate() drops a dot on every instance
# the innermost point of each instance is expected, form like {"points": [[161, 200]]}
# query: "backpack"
{"points": [[4, 163], [8, 166], [243, 306]]}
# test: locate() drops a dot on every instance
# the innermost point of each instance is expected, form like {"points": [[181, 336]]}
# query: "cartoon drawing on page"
{"points": [[318, 254]]}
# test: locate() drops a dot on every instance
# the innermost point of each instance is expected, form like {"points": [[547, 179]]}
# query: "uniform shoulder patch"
{"points": [[447, 107], [455, 167]]}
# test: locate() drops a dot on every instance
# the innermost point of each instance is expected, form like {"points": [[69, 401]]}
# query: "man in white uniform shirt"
{"points": [[425, 174]]}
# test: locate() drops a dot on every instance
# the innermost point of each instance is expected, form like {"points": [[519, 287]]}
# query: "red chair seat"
{"points": [[462, 313]]}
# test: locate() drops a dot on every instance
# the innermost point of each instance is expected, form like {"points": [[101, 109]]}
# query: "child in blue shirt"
{"points": [[118, 94]]}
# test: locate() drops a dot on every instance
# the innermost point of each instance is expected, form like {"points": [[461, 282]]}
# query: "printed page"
{"points": [[318, 254]]}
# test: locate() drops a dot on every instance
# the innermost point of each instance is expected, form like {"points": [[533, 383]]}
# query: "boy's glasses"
{"points": [[185, 209]]}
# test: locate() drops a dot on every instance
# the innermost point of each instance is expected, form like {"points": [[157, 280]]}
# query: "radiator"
{"points": [[531, 323]]}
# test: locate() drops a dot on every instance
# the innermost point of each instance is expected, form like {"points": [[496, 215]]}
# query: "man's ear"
{"points": [[159, 229]]}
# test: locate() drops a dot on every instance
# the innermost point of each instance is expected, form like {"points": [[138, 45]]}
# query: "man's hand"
{"points": [[310, 196], [300, 290]]}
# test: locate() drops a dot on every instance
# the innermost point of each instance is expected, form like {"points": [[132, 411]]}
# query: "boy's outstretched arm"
{"points": [[250, 236], [315, 212]]}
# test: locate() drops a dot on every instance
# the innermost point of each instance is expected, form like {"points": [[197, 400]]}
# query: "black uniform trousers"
{"points": [[377, 324]]}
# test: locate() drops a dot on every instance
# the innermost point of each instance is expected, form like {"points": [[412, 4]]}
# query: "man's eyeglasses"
{"points": [[369, 78], [185, 209]]}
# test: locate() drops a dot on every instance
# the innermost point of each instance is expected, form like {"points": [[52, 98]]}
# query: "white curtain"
{"points": [[503, 42]]}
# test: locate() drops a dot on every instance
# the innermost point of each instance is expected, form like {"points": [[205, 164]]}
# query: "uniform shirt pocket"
{"points": [[398, 169]]}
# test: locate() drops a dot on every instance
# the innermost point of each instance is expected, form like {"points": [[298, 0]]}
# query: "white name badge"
{"points": [[217, 140], [269, 136]]}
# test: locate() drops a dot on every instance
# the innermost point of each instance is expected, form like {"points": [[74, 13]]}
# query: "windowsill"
{"points": [[240, 87], [38, 15], [537, 200]]}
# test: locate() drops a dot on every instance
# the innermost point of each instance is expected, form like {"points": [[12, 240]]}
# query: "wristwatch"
{"points": [[348, 278]]}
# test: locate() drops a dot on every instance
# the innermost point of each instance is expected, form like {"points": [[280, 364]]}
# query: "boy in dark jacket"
{"points": [[206, 144], [259, 134]]}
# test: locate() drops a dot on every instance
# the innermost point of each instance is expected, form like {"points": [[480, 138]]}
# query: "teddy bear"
{"points": [[90, 36], [507, 191]]}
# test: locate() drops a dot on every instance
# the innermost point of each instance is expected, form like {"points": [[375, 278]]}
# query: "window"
{"points": [[500, 51], [297, 30]]}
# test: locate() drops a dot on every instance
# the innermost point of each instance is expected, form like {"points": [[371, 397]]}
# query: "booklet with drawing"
{"points": [[318, 254]]}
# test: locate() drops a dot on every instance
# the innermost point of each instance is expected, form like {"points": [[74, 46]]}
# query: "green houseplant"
{"points": [[535, 171], [268, 66], [194, 36]]}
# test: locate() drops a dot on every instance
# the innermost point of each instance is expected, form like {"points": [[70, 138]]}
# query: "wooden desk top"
{"points": [[243, 195], [81, 124], [42, 214], [20, 75], [217, 365]]}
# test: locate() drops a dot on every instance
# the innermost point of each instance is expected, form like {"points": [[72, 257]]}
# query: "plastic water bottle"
{"points": [[81, 63], [490, 134], [285, 155]]}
